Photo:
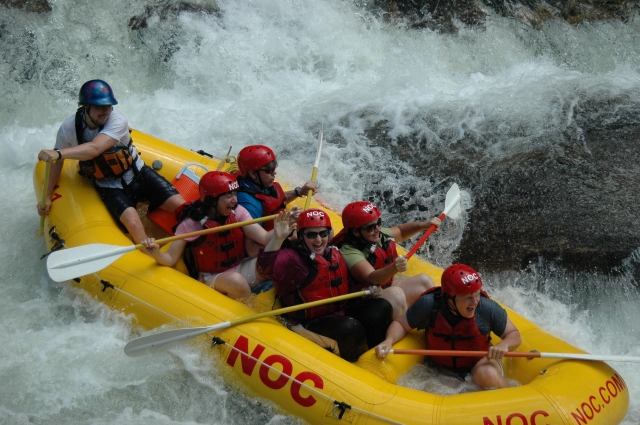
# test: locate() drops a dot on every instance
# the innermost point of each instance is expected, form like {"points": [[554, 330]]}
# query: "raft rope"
{"points": [[340, 407], [60, 243]]}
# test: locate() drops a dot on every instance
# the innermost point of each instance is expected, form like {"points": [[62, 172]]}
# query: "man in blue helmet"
{"points": [[98, 137]]}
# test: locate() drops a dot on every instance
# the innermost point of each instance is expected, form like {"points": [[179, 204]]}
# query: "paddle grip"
{"points": [[424, 237]]}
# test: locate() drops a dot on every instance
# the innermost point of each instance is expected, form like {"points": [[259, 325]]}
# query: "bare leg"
{"points": [[131, 221], [397, 299], [231, 284], [488, 374], [415, 286], [172, 203]]}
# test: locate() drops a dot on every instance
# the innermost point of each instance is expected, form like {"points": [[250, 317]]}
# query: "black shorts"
{"points": [[148, 186]]}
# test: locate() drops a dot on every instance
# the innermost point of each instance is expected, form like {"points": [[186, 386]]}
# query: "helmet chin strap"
{"points": [[87, 115], [454, 310], [261, 182]]}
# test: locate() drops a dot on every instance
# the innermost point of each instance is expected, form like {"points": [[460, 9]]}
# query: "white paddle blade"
{"points": [[163, 340], [452, 202], [592, 357], [82, 260]]}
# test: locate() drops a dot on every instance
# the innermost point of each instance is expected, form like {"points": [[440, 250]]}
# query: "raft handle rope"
{"points": [[60, 244], [339, 406], [342, 406], [203, 153]]}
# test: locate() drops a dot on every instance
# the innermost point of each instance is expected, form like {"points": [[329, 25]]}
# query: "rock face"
{"points": [[580, 210], [445, 16], [36, 6], [167, 9], [574, 200]]}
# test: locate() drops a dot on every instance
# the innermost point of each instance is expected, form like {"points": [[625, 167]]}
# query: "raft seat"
{"points": [[186, 182]]}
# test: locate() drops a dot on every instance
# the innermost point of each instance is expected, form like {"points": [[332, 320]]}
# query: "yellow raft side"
{"points": [[553, 391]]}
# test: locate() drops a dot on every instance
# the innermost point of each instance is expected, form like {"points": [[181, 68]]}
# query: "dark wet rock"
{"points": [[570, 197], [37, 6], [580, 210], [433, 14], [167, 10], [446, 16]]}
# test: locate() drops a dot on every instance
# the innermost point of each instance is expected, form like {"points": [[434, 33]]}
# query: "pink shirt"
{"points": [[190, 225]]}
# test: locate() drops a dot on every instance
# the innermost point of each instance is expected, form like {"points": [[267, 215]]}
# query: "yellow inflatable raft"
{"points": [[268, 360]]}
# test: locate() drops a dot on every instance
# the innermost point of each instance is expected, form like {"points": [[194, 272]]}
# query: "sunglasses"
{"points": [[271, 169], [370, 228], [313, 235]]}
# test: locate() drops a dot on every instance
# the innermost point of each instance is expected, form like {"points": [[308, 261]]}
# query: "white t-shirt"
{"points": [[116, 127]]}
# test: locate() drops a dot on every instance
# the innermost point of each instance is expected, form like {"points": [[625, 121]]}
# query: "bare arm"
{"points": [[304, 190], [165, 258], [82, 152], [396, 331], [55, 170], [511, 340], [404, 231], [363, 272]]}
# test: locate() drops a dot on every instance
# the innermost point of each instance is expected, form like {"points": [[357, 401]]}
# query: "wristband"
{"points": [[59, 153], [297, 191]]}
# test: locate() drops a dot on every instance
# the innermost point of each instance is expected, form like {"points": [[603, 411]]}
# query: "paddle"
{"points": [[82, 260], [451, 209], [315, 171], [529, 355], [163, 340], [43, 202]]}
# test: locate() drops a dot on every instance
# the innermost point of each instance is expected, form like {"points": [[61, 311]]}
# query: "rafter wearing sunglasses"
{"points": [[313, 235], [370, 228], [271, 167]]}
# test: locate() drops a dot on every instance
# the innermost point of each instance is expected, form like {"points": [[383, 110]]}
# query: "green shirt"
{"points": [[353, 255]]}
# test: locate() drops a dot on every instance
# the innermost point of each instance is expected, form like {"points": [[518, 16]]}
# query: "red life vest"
{"points": [[328, 277], [217, 252], [464, 336], [272, 203], [383, 255]]}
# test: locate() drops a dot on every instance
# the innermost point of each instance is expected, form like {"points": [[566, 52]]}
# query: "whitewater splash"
{"points": [[276, 72]]}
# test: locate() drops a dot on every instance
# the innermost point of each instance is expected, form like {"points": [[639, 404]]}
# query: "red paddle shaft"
{"points": [[424, 237]]}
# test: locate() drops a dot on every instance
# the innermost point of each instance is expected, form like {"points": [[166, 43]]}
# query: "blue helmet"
{"points": [[96, 92]]}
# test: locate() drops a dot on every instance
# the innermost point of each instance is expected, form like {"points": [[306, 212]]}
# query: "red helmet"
{"points": [[313, 218], [251, 158], [215, 183], [358, 213], [459, 279]]}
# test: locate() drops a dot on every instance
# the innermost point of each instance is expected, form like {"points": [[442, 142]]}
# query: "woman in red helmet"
{"points": [[217, 259], [459, 315], [370, 252], [306, 270]]}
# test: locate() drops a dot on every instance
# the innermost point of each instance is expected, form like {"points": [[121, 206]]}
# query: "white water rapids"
{"points": [[273, 72]]}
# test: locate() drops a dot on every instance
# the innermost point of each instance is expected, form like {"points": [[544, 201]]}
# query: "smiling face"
{"points": [[465, 304], [226, 203], [370, 231], [315, 238]]}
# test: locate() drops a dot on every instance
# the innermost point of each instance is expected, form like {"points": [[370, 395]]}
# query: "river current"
{"points": [[275, 72]]}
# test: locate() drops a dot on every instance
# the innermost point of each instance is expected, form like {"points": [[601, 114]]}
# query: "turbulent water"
{"points": [[276, 72]]}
